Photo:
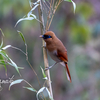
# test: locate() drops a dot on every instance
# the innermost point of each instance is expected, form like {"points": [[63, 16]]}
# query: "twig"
{"points": [[48, 17], [26, 54], [54, 10]]}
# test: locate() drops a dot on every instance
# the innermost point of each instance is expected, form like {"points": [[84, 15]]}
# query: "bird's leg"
{"points": [[50, 66], [44, 46]]}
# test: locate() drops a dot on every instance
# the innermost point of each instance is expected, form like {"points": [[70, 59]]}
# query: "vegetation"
{"points": [[79, 32]]}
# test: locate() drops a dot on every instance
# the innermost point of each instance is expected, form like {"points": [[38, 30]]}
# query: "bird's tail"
{"points": [[68, 73]]}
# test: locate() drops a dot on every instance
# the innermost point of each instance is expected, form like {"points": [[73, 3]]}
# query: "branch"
{"points": [[48, 82], [49, 19]]}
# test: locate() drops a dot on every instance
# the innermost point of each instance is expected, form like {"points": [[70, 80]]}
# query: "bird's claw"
{"points": [[44, 46], [47, 68]]}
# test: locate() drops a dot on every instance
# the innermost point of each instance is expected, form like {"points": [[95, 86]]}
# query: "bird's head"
{"points": [[48, 36]]}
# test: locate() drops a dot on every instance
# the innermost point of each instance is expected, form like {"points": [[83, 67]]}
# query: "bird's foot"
{"points": [[47, 68], [50, 66], [44, 46]]}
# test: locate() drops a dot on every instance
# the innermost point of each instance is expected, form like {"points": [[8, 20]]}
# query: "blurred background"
{"points": [[80, 33]]}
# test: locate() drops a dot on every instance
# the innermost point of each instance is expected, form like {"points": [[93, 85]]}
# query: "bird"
{"points": [[57, 51]]}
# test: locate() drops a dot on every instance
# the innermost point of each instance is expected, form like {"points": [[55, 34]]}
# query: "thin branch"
{"points": [[18, 49], [48, 17], [29, 84], [31, 65], [55, 8], [53, 4], [46, 7], [26, 54]]}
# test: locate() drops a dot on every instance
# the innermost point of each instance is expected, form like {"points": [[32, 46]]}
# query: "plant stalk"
{"points": [[48, 82]]}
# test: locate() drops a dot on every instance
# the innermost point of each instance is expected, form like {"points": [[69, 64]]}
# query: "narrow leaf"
{"points": [[36, 2], [1, 43], [30, 3], [22, 36], [4, 48], [16, 82], [28, 15], [14, 65], [68, 0], [4, 55], [34, 7], [20, 68], [27, 18], [49, 94], [45, 78], [74, 5], [33, 16], [1, 31], [41, 90], [43, 72], [3, 63], [31, 89]]}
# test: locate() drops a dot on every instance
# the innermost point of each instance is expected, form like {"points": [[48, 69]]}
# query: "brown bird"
{"points": [[57, 51]]}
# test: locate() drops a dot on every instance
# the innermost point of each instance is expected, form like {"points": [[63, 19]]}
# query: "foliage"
{"points": [[42, 93], [52, 9], [83, 53], [5, 59]]}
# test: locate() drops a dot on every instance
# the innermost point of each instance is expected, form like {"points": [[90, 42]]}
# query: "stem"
{"points": [[31, 65], [48, 17], [48, 82]]}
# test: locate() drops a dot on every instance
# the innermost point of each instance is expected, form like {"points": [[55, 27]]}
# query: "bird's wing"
{"points": [[62, 56]]}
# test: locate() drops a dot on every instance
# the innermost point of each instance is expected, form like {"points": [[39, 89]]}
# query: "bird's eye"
{"points": [[47, 36]]}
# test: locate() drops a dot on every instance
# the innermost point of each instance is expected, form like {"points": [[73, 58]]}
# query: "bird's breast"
{"points": [[53, 55]]}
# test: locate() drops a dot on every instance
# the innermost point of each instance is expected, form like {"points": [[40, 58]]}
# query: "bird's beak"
{"points": [[41, 36]]}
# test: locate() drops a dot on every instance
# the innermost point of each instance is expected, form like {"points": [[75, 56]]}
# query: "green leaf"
{"points": [[22, 36], [1, 43], [69, 0], [14, 65], [74, 5], [8, 59], [3, 63], [44, 75], [4, 55], [1, 31], [31, 89], [15, 82]]}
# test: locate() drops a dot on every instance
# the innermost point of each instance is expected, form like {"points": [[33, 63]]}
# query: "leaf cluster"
{"points": [[49, 7], [5, 59]]}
